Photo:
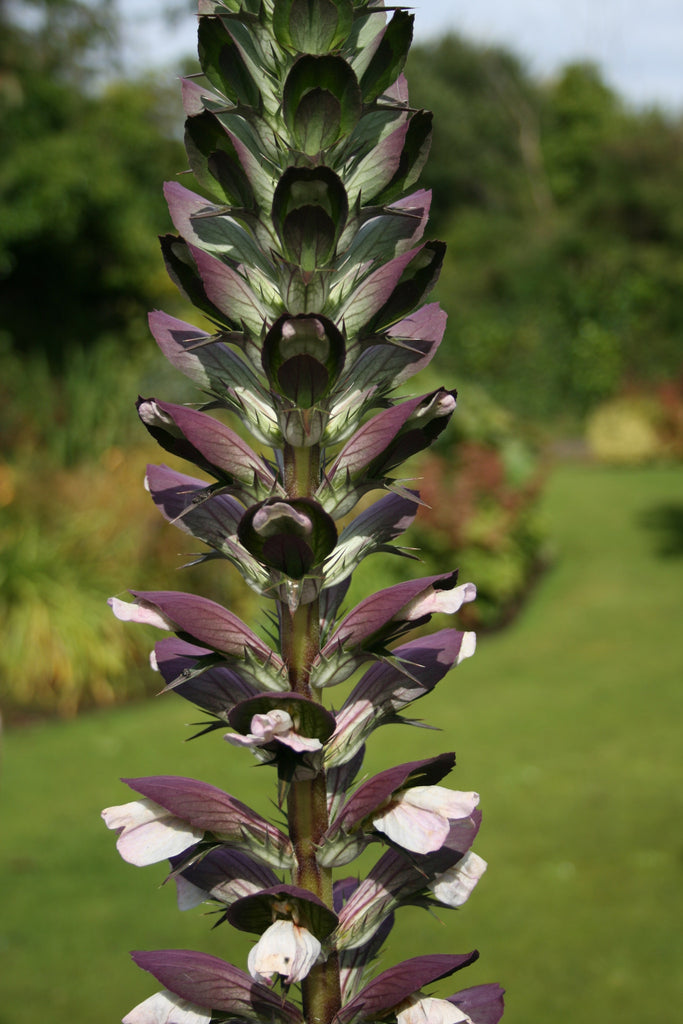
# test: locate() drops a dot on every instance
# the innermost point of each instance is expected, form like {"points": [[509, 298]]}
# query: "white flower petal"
{"points": [[450, 803], [300, 743], [413, 828], [149, 833], [453, 887], [276, 725], [434, 600], [307, 953], [189, 895], [264, 729], [427, 1010], [267, 521], [128, 611], [271, 725], [166, 1008], [238, 740], [467, 647], [419, 818], [285, 948]]}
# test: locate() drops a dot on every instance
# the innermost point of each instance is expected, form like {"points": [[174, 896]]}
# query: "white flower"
{"points": [[131, 611], [419, 818], [149, 833], [285, 948], [165, 1008], [467, 647], [189, 895], [426, 1010], [453, 887], [276, 725], [435, 600]]}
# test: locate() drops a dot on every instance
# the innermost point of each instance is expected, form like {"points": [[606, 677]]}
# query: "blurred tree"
{"points": [[61, 38], [563, 215], [486, 148], [83, 156], [581, 115]]}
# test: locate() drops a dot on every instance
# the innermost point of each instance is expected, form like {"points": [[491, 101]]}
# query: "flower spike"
{"points": [[302, 250]]}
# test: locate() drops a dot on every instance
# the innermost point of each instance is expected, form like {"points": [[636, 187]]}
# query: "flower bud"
{"points": [[303, 356], [292, 537]]}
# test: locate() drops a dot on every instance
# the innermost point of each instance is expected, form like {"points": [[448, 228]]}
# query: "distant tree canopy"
{"points": [[564, 218], [80, 172], [475, 95]]}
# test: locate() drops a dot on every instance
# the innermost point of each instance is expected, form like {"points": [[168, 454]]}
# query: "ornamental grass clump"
{"points": [[308, 265]]}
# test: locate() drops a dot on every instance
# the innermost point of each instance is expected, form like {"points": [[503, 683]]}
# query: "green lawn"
{"points": [[569, 725]]}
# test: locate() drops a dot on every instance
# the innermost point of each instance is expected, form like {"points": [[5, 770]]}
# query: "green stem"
{"points": [[307, 799], [302, 470], [308, 820], [300, 640], [320, 991]]}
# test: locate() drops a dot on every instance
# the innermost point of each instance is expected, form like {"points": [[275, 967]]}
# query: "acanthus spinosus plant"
{"points": [[307, 263]]}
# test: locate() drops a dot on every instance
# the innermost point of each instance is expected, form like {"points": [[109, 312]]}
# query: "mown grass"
{"points": [[568, 724]]}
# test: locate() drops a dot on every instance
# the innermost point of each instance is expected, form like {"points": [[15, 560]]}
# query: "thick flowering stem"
{"points": [[300, 624], [300, 637], [307, 818], [307, 799], [321, 991], [302, 470]]}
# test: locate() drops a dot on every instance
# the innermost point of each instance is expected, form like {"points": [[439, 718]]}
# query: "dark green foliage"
{"points": [[561, 208], [79, 203], [475, 160]]}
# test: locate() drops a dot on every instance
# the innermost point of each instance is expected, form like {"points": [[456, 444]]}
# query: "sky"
{"points": [[638, 45]]}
